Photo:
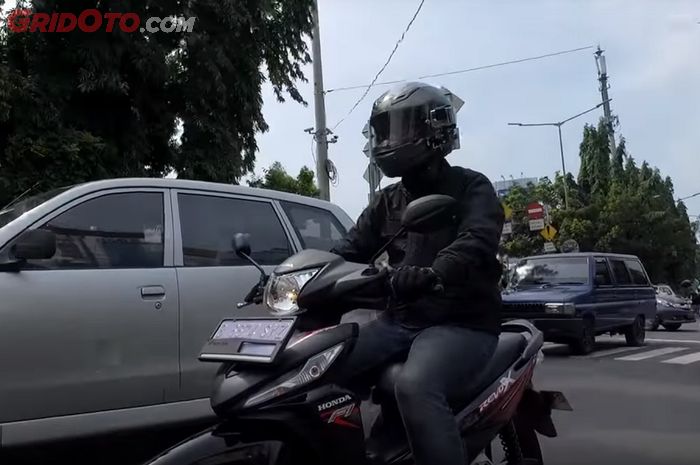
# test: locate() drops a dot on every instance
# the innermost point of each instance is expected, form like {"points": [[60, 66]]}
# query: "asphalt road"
{"points": [[637, 406]]}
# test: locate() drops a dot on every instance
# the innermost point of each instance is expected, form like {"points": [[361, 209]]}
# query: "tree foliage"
{"points": [[616, 206], [82, 106], [277, 178]]}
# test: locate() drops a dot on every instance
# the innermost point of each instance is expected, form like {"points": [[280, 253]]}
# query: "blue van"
{"points": [[573, 297]]}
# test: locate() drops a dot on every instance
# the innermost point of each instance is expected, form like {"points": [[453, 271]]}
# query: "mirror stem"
{"points": [[374, 258], [254, 263]]}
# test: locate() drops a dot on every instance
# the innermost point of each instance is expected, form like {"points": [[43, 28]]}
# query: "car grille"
{"points": [[522, 308]]}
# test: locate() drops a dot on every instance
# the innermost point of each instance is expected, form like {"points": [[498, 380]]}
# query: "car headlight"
{"points": [[282, 291], [568, 309], [314, 368]]}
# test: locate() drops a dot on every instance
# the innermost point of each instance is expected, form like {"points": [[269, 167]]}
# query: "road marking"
{"points": [[676, 341], [605, 353], [684, 359], [552, 345], [651, 354]]}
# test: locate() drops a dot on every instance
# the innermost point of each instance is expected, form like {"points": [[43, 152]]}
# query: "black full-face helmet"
{"points": [[412, 123]]}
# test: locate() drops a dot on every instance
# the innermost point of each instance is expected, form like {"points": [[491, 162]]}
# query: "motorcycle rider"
{"points": [[450, 336]]}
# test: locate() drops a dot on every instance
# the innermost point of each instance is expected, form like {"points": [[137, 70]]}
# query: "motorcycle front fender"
{"points": [[216, 446]]}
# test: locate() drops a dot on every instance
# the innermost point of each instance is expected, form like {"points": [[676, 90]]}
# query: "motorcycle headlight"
{"points": [[282, 291], [313, 369]]}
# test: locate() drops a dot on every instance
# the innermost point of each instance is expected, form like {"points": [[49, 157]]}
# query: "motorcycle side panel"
{"points": [[212, 446]]}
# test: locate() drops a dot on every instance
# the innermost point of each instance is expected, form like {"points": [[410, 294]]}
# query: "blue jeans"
{"points": [[443, 361]]}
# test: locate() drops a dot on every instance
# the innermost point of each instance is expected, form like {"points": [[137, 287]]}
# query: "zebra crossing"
{"points": [[680, 354]]}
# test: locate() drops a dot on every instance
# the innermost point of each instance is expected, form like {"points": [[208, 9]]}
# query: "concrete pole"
{"points": [[321, 132], [603, 78]]}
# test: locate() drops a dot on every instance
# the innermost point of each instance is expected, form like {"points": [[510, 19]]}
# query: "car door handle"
{"points": [[152, 291]]}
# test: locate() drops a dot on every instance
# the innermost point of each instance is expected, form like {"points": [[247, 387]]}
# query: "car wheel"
{"points": [[654, 325], [585, 344], [635, 333], [672, 326]]}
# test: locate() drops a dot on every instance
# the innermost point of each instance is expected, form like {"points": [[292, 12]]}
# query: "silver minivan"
{"points": [[109, 289]]}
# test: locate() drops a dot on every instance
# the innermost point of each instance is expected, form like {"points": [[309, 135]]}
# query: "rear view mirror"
{"points": [[429, 213], [241, 244], [35, 244]]}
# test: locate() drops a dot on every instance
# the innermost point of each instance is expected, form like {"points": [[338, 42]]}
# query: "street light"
{"points": [[689, 197], [558, 125]]}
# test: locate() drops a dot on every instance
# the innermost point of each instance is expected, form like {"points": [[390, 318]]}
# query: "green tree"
{"points": [[81, 106], [615, 206], [277, 178]]}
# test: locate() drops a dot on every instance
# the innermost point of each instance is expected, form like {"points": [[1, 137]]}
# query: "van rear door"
{"points": [[643, 291]]}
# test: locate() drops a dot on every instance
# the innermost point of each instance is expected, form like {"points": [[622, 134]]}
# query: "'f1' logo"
{"points": [[340, 416]]}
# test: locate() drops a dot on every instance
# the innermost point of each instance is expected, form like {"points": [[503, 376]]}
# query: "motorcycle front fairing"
{"points": [[319, 421]]}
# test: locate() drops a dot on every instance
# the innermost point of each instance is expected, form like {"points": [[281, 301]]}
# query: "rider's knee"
{"points": [[411, 387]]}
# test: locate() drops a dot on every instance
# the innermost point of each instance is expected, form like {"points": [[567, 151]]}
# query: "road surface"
{"points": [[637, 406]]}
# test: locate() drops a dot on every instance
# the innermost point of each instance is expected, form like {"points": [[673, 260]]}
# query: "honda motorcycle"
{"points": [[284, 401]]}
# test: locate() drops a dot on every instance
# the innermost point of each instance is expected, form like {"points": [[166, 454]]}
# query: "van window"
{"points": [[209, 224], [637, 271], [622, 277], [113, 231], [566, 271], [317, 228], [602, 272]]}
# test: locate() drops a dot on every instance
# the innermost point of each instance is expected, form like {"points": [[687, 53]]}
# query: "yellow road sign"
{"points": [[507, 211], [549, 233]]}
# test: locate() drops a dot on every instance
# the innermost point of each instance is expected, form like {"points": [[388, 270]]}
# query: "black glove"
{"points": [[410, 282]]}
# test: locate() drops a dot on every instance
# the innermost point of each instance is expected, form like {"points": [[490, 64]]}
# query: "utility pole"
{"points": [[321, 132], [604, 86]]}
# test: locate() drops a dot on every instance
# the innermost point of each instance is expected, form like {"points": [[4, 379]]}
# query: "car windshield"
{"points": [[551, 271], [15, 210]]}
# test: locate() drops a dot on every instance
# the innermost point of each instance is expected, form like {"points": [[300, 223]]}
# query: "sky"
{"points": [[653, 57]]}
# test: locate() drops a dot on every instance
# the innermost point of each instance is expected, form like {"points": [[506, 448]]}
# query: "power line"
{"points": [[381, 70], [468, 70]]}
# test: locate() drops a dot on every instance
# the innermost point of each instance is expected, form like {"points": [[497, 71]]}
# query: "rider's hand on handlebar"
{"points": [[410, 282]]}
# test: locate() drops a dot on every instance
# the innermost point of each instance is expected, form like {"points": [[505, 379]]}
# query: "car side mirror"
{"points": [[429, 213], [35, 244], [241, 244]]}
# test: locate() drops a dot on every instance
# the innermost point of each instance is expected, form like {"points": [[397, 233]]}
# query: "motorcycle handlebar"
{"points": [[438, 288]]}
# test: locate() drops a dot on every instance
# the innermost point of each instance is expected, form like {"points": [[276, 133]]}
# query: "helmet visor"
{"points": [[398, 127]]}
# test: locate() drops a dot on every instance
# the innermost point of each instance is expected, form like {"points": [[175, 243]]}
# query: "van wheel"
{"points": [[672, 326], [635, 333], [585, 344]]}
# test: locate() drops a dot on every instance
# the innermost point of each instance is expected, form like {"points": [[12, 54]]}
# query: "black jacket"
{"points": [[464, 254]]}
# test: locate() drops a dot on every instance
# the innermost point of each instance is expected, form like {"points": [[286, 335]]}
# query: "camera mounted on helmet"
{"points": [[411, 125]]}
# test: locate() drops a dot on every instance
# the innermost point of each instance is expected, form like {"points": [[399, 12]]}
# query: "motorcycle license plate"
{"points": [[251, 340]]}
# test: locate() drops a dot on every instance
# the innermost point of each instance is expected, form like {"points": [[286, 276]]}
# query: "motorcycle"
{"points": [[284, 401]]}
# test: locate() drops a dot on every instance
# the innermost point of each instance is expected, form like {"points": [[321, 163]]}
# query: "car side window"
{"points": [[317, 228], [602, 273], [637, 272], [122, 230], [209, 224], [622, 277]]}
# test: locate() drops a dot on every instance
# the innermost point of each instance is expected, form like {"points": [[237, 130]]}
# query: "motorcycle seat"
{"points": [[510, 347]]}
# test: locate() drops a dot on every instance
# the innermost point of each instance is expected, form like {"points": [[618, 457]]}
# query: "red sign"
{"points": [[535, 211]]}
